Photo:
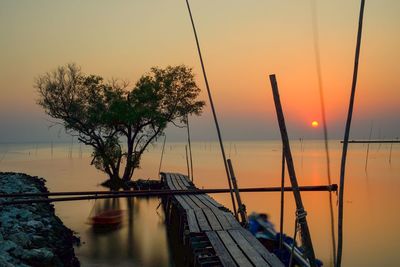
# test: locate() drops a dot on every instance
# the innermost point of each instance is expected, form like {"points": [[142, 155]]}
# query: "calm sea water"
{"points": [[372, 196]]}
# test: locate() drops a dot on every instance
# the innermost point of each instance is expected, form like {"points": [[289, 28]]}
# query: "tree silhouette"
{"points": [[117, 122]]}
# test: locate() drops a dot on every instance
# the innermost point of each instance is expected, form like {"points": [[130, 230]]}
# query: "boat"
{"points": [[264, 231], [108, 218]]}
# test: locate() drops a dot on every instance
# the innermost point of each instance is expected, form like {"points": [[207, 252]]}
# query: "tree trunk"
{"points": [[128, 172], [128, 167]]}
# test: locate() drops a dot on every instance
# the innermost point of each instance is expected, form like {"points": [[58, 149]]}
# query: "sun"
{"points": [[314, 124]]}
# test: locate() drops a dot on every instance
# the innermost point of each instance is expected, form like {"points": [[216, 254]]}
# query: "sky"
{"points": [[242, 43]]}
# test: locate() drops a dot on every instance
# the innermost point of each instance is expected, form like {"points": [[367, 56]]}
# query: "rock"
{"points": [[21, 239], [24, 214], [7, 246], [17, 252], [31, 234], [35, 224], [6, 221], [5, 261], [42, 255], [38, 241]]}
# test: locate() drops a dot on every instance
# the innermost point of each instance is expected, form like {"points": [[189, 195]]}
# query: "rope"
{"points": [[212, 107], [325, 127], [300, 216], [346, 138]]}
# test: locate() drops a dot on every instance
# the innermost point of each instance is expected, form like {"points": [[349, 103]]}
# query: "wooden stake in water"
{"points": [[80, 150], [300, 212], [370, 135], [346, 138]]}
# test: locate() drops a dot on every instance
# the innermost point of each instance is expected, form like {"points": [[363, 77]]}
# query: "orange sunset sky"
{"points": [[242, 42]]}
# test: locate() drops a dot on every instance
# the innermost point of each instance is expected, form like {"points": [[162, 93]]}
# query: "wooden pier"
{"points": [[208, 232]]}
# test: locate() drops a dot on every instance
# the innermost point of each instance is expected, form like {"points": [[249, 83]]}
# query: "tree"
{"points": [[105, 115]]}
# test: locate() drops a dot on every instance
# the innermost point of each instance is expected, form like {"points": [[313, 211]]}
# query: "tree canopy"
{"points": [[117, 122]]}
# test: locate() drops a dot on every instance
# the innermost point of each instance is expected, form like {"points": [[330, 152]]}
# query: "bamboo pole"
{"points": [[190, 147], [346, 138], [309, 188], [300, 213], [145, 193], [212, 108], [372, 141], [187, 162], [241, 209]]}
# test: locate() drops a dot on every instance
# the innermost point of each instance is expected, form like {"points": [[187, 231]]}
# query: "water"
{"points": [[371, 196]]}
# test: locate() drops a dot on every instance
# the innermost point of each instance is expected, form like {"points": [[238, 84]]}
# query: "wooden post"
{"points": [[346, 139], [241, 208], [300, 212]]}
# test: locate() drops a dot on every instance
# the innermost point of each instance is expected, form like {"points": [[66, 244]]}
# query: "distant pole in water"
{"points": [[51, 149], [390, 153], [346, 138], [212, 108], [70, 148], [370, 135], [190, 147], [187, 161], [80, 150], [162, 154], [379, 137], [301, 214], [282, 199]]}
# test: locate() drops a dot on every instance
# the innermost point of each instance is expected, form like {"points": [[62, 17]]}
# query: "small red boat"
{"points": [[107, 218]]}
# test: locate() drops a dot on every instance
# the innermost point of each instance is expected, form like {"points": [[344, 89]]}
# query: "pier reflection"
{"points": [[139, 240]]}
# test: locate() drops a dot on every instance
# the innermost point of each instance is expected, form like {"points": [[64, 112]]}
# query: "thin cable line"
{"points": [[324, 123]]}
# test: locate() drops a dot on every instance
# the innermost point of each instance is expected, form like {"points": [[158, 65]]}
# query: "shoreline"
{"points": [[32, 235]]}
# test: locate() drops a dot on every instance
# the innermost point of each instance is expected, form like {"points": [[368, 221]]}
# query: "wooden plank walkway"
{"points": [[205, 218]]}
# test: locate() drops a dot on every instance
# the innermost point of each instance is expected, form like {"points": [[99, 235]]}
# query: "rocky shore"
{"points": [[32, 235]]}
